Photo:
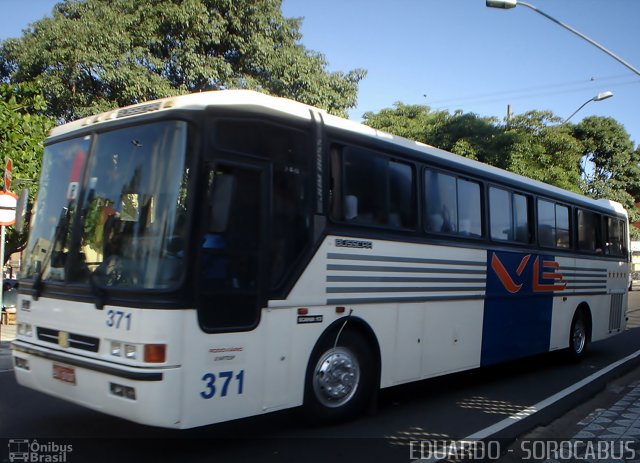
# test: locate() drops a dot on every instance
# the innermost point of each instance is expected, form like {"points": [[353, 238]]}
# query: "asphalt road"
{"points": [[452, 407]]}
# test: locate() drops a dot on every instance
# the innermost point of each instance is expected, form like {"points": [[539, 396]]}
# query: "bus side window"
{"points": [[369, 188]]}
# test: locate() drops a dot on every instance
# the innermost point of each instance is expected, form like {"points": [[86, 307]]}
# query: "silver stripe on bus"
{"points": [[586, 287], [567, 280], [471, 297], [587, 293], [584, 269], [383, 300], [407, 260], [379, 268], [377, 279], [400, 289], [586, 275]]}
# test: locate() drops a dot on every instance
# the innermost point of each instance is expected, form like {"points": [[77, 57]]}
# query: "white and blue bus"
{"points": [[226, 254]]}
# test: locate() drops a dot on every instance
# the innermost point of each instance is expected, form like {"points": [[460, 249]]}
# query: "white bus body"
{"points": [[370, 307]]}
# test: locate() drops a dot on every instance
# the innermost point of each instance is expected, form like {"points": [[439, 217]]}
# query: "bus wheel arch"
{"points": [[343, 372], [580, 332]]}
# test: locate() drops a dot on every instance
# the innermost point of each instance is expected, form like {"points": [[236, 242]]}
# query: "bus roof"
{"points": [[283, 107]]}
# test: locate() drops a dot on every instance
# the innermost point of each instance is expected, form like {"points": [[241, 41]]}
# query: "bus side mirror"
{"points": [[22, 209], [220, 202]]}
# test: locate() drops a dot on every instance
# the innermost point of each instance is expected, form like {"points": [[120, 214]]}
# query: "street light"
{"points": [[507, 4], [598, 97]]}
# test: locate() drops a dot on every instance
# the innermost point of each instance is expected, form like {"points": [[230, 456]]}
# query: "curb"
{"points": [[543, 413], [553, 407]]}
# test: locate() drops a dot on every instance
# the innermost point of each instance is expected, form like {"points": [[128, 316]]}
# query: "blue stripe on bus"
{"points": [[517, 319]]}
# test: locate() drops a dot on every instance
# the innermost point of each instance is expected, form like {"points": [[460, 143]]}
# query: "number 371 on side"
{"points": [[222, 384]]}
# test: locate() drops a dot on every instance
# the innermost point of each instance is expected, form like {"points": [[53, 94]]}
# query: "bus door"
{"points": [[231, 250]]}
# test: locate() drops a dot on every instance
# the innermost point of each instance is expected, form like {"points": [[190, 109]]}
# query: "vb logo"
{"points": [[513, 284]]}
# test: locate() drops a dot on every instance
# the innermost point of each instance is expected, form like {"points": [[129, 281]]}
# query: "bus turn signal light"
{"points": [[155, 353]]}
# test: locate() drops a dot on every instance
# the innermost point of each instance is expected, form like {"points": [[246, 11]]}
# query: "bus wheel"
{"points": [[340, 379], [578, 336]]}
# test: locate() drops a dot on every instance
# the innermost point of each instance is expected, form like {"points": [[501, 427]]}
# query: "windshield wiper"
{"points": [[99, 293]]}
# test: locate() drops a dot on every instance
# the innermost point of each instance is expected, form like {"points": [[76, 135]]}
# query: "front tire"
{"points": [[578, 336], [340, 380]]}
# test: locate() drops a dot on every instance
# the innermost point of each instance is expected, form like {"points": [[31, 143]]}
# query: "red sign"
{"points": [[8, 167]]}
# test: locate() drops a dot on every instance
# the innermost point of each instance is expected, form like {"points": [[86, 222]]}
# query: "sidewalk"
{"points": [[7, 334], [605, 428]]}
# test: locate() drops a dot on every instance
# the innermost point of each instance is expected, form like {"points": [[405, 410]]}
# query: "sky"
{"points": [[460, 55]]}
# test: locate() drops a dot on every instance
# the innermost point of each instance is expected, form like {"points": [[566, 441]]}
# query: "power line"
{"points": [[532, 92]]}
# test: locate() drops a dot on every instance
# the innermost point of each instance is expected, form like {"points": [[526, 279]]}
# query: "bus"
{"points": [[226, 254]]}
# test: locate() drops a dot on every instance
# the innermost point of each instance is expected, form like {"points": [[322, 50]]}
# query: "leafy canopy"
{"points": [[93, 55], [23, 127], [615, 166]]}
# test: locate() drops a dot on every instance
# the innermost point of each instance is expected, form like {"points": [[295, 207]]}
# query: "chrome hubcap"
{"points": [[579, 337], [336, 377]]}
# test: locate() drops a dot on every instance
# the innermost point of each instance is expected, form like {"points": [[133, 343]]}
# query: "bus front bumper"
{"points": [[140, 394]]}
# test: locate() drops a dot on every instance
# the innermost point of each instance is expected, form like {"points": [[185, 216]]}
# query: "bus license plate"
{"points": [[64, 374]]}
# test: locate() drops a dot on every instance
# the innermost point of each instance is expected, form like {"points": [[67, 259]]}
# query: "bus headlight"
{"points": [[116, 348], [131, 351], [150, 353]]}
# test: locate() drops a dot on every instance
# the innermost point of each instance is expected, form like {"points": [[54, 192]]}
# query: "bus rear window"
{"points": [[615, 238], [589, 231]]}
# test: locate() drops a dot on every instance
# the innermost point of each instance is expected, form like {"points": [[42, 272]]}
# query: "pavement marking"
{"points": [[505, 423]]}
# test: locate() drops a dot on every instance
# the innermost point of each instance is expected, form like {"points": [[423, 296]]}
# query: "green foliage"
{"points": [[615, 172], [464, 134], [93, 55], [23, 128], [542, 149]]}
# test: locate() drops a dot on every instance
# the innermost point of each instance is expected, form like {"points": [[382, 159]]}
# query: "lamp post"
{"points": [[598, 97], [507, 4]]}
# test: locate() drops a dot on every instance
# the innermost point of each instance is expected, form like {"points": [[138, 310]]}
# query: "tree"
{"points": [[468, 135], [93, 55], [23, 128], [541, 148], [532, 144], [615, 171]]}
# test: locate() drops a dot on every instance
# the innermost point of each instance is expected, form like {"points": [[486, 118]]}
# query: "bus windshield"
{"points": [[119, 224]]}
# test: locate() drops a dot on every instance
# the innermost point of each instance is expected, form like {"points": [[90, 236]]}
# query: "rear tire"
{"points": [[340, 380], [578, 336]]}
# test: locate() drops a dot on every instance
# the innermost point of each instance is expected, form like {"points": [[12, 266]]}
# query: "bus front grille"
{"points": [[77, 341]]}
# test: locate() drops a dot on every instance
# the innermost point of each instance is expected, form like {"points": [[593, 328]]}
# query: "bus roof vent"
{"points": [[139, 109]]}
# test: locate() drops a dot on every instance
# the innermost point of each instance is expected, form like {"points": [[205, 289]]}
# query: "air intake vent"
{"points": [[615, 312]]}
